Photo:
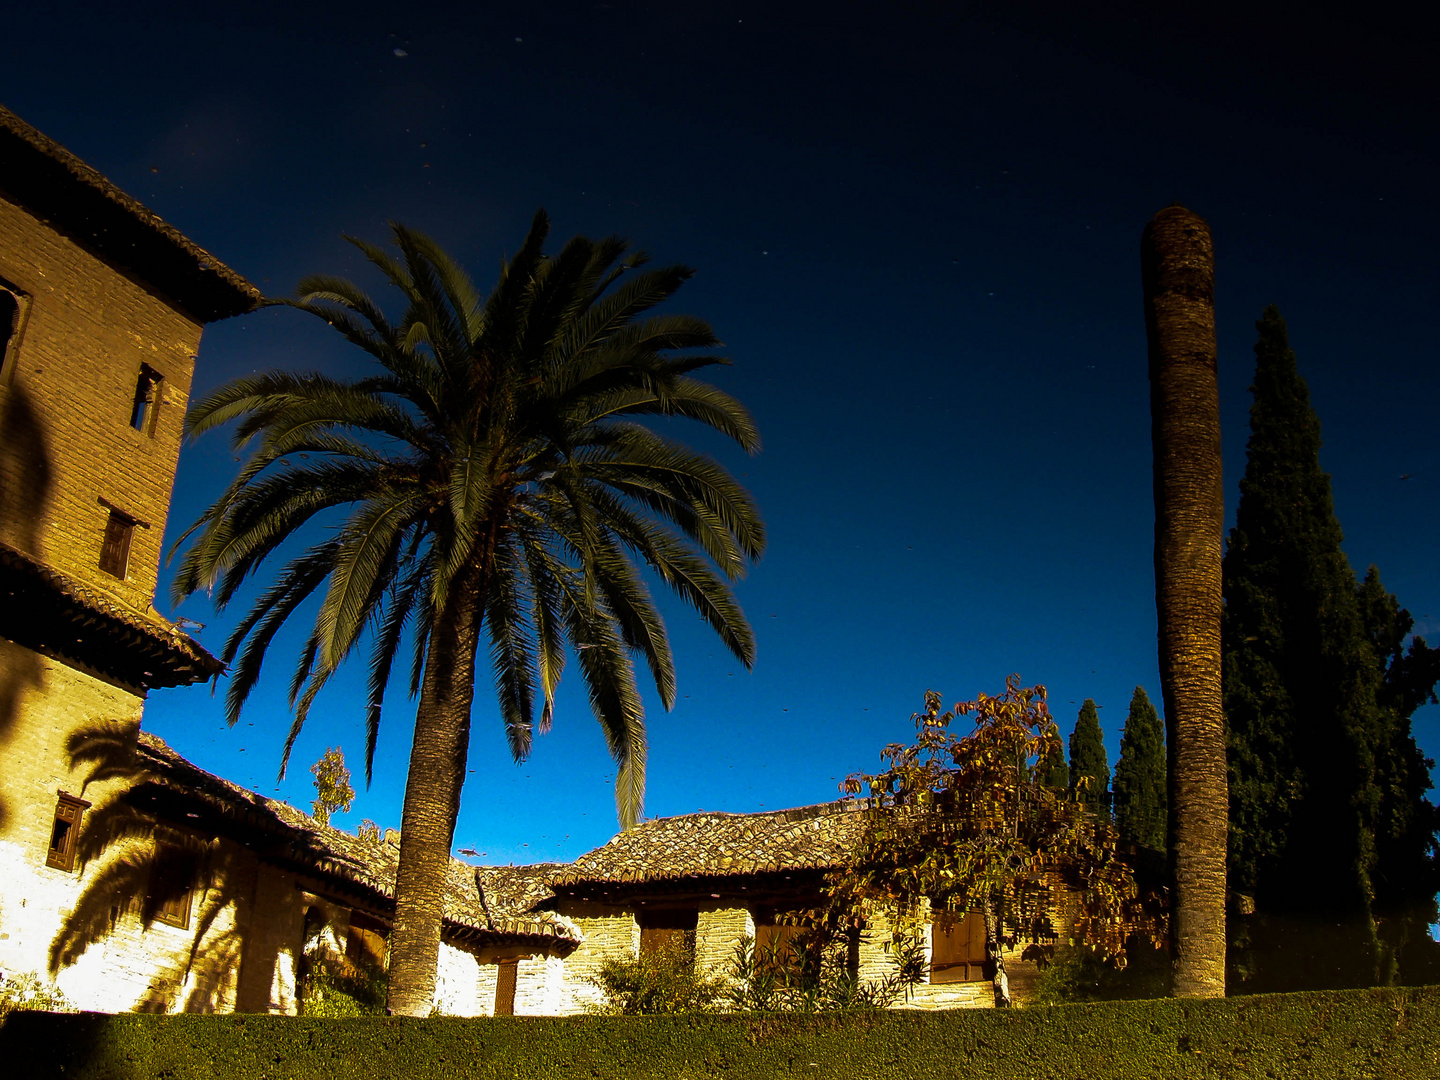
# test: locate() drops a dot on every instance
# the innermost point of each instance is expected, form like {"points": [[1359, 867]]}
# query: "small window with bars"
{"points": [[115, 548], [65, 832], [147, 400], [14, 305], [957, 947]]}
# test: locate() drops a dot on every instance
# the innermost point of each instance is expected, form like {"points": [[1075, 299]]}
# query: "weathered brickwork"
{"points": [[69, 391], [718, 930], [126, 965]]}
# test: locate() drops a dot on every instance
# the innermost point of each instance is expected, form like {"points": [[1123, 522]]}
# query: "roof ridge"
{"points": [[792, 813]]}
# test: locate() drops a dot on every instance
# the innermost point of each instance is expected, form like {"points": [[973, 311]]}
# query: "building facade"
{"points": [[138, 881], [134, 879]]}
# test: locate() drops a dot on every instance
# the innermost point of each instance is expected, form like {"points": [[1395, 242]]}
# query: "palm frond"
{"points": [[364, 566], [512, 646], [614, 699]]}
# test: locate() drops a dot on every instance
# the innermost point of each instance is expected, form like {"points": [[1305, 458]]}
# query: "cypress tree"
{"points": [[1087, 756], [1407, 875], [1139, 787], [1324, 784], [1054, 773]]}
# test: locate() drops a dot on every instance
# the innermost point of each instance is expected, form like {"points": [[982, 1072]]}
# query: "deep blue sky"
{"points": [[918, 236]]}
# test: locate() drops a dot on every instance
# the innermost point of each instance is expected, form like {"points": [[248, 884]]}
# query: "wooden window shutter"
{"points": [[171, 886], [668, 929], [115, 549], [957, 952], [505, 980], [66, 831]]}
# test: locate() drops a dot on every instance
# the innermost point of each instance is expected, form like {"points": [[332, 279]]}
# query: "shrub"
{"points": [[29, 991], [812, 972], [335, 985], [658, 982]]}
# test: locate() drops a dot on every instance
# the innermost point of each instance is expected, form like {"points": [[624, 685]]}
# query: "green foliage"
{"points": [[28, 991], [1408, 875], [968, 823], [809, 973], [1139, 785], [1089, 767], [368, 830], [1316, 1036], [335, 985], [497, 473], [332, 786], [812, 973], [658, 982], [1054, 773], [1076, 974], [1327, 809]]}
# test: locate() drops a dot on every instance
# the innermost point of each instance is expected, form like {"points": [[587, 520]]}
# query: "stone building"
{"points": [[712, 879], [138, 880], [101, 310], [134, 878]]}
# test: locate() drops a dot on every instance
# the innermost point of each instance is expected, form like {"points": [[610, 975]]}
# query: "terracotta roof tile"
{"points": [[722, 845], [162, 655], [57, 186], [510, 892]]}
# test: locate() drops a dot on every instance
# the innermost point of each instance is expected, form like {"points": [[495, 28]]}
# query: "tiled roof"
{"points": [[330, 852], [56, 612], [713, 845], [50, 181]]}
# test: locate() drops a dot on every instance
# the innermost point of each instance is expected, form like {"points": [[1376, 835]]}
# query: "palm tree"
{"points": [[498, 480], [1177, 258]]}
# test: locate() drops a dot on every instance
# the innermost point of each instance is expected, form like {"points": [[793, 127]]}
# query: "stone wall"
{"points": [[65, 406], [42, 703], [614, 932], [89, 916]]}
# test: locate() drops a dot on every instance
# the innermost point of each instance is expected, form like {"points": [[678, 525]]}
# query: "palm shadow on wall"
{"points": [[26, 478], [143, 868]]}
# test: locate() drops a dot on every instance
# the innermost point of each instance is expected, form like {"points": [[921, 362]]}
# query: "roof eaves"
{"points": [[50, 181]]}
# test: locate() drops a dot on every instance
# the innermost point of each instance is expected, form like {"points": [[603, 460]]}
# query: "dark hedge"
{"points": [[1350, 1034]]}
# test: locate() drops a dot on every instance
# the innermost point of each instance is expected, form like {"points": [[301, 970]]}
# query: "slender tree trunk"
{"points": [[432, 797], [1177, 259], [1001, 982]]}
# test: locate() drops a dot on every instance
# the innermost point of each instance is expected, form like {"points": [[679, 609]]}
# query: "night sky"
{"points": [[918, 236]]}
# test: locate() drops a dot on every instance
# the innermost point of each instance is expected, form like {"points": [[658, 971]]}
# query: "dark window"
{"points": [[147, 400], [115, 550], [365, 944], [774, 944], [171, 883], [68, 811], [505, 987], [957, 951], [672, 928], [12, 319]]}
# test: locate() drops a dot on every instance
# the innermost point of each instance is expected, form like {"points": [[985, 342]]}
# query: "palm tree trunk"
{"points": [[432, 797], [1177, 259]]}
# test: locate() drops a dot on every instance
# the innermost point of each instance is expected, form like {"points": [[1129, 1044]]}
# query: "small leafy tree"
{"points": [[1054, 773], [332, 786], [968, 823], [661, 981]]}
